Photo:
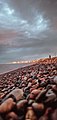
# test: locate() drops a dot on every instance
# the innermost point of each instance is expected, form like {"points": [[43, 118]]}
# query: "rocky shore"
{"points": [[29, 93]]}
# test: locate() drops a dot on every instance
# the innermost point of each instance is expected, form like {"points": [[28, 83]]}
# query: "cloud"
{"points": [[8, 20], [28, 29]]}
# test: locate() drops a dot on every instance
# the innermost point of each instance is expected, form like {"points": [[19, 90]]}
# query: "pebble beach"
{"points": [[30, 92]]}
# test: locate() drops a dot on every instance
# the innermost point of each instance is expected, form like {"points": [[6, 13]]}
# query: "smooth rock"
{"points": [[36, 92], [41, 96], [12, 116], [54, 115], [22, 104], [55, 79], [7, 105], [30, 115], [38, 106], [18, 93]]}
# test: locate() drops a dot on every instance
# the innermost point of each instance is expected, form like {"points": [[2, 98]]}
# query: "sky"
{"points": [[28, 29]]}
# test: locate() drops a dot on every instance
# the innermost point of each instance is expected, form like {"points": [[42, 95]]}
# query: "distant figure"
{"points": [[50, 56]]}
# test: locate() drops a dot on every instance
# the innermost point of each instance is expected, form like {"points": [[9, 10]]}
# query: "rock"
{"points": [[55, 79], [36, 92], [31, 89], [29, 93], [30, 101], [48, 111], [35, 86], [7, 105], [21, 108], [12, 116], [25, 78], [50, 98], [33, 82], [43, 117], [43, 84], [54, 115], [41, 96], [54, 88], [30, 115], [31, 96], [1, 118], [17, 93], [22, 104], [38, 106], [50, 93], [29, 84], [2, 95]]}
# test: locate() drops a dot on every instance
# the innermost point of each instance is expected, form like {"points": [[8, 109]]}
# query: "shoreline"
{"points": [[6, 68]]}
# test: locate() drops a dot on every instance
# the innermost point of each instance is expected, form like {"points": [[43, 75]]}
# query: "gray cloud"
{"points": [[28, 29]]}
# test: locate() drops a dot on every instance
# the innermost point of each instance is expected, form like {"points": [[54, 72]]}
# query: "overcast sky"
{"points": [[28, 29]]}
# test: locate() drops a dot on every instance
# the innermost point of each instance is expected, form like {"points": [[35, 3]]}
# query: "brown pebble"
{"points": [[41, 96], [38, 106], [54, 115], [36, 92], [31, 96], [12, 116], [7, 105], [55, 79], [1, 118], [30, 102], [31, 89], [22, 104], [48, 111], [18, 93], [2, 95], [54, 88], [35, 86], [30, 115], [43, 117]]}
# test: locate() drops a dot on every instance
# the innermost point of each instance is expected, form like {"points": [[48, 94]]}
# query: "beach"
{"points": [[29, 92]]}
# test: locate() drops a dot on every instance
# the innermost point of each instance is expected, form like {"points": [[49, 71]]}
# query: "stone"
{"points": [[36, 92], [55, 79], [38, 106], [41, 96], [54, 115], [18, 93], [12, 116], [7, 105], [22, 104], [30, 114]]}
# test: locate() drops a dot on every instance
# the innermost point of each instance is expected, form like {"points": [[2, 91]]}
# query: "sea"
{"points": [[4, 68]]}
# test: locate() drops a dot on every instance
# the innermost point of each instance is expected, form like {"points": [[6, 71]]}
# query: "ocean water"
{"points": [[9, 67]]}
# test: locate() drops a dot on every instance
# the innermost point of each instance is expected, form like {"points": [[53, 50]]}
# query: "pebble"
{"points": [[29, 93], [7, 105], [22, 104], [55, 79], [30, 114], [41, 96], [38, 106], [43, 117], [17, 93], [35, 92], [54, 115], [12, 116]]}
